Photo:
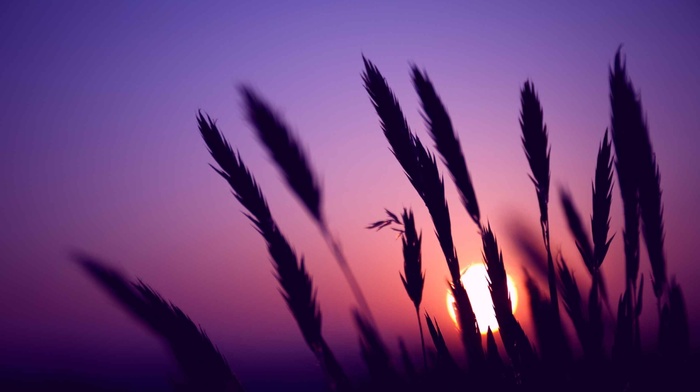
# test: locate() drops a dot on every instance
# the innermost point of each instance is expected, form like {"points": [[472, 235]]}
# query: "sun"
{"points": [[475, 281]]}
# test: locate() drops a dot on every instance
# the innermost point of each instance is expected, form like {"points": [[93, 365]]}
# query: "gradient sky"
{"points": [[101, 153]]}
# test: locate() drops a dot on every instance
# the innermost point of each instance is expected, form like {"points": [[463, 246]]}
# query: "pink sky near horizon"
{"points": [[101, 153]]}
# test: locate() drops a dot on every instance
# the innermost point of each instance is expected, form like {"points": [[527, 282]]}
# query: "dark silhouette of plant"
{"points": [[292, 161], [297, 288], [413, 277], [535, 144], [627, 122], [444, 358], [553, 345], [594, 324], [421, 170], [203, 367], [375, 355], [548, 366], [446, 141], [514, 339], [602, 198]]}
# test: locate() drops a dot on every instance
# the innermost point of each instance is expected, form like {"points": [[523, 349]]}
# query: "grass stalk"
{"points": [[514, 339], [202, 365], [535, 144], [446, 141], [420, 168], [295, 282], [291, 160]]}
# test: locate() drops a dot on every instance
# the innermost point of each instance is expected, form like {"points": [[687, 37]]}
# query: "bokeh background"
{"points": [[100, 152]]}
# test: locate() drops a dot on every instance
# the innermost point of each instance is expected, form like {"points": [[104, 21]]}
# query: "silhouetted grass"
{"points": [[297, 288], [421, 170], [203, 367], [548, 366], [444, 358], [446, 141], [602, 199], [413, 277], [536, 146], [375, 355], [293, 163], [627, 121], [514, 340]]}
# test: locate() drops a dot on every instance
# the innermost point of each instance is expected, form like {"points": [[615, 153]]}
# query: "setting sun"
{"points": [[475, 281]]}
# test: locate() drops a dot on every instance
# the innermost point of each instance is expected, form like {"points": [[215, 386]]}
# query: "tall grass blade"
{"points": [[651, 210], [446, 141], [583, 244], [414, 278], [492, 356], [274, 134], [444, 358], [637, 165], [536, 146], [420, 168], [375, 354], [624, 345], [496, 370], [202, 365], [573, 303], [514, 339], [291, 160], [674, 331], [595, 325], [406, 360], [602, 199], [626, 122], [295, 282], [553, 345]]}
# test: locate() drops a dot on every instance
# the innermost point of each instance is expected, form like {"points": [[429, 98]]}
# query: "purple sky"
{"points": [[101, 152]]}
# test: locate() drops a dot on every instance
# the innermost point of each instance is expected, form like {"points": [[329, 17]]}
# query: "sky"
{"points": [[101, 153]]}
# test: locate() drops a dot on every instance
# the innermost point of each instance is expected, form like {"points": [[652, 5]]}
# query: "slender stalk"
{"points": [[421, 169], [536, 146], [413, 278], [295, 282], [422, 339], [291, 160], [551, 277], [202, 365], [337, 250]]}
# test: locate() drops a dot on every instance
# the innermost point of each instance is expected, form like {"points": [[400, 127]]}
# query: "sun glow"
{"points": [[475, 281]]}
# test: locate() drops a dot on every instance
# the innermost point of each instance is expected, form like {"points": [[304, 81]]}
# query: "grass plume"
{"points": [[274, 134], [583, 243], [602, 199], [291, 160], [295, 282], [573, 302], [626, 122], [514, 339], [202, 365], [375, 354], [446, 141], [553, 345], [413, 277], [420, 168], [536, 146], [444, 358], [638, 170]]}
